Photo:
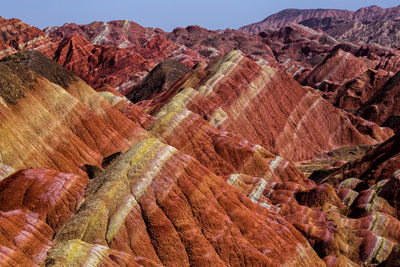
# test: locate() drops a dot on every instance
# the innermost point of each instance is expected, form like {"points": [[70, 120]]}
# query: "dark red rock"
{"points": [[384, 104], [17, 35], [213, 44], [24, 239]]}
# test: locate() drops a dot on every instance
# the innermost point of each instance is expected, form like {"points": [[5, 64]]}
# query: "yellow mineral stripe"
{"points": [[118, 218], [255, 87], [224, 68], [154, 167], [233, 178]]}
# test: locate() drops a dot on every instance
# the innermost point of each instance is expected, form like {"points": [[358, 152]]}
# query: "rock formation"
{"points": [[201, 169], [161, 78], [367, 25], [236, 94], [384, 104]]}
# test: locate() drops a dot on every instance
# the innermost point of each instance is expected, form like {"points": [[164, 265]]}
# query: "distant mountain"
{"points": [[295, 16], [383, 32]]}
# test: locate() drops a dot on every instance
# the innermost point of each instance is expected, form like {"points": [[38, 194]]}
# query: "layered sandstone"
{"points": [[238, 95], [47, 126], [384, 104], [186, 177], [213, 44]]}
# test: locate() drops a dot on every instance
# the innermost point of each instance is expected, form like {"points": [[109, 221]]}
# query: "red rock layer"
{"points": [[319, 212], [213, 44], [338, 66], [349, 80], [17, 35], [119, 53], [45, 126], [253, 101], [24, 239], [52, 196], [158, 203], [384, 104], [98, 65], [223, 153]]}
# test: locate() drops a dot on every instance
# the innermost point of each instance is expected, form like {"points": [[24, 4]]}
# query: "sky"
{"points": [[166, 14]]}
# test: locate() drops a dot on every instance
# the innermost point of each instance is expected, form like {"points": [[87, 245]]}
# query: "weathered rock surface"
{"points": [[298, 48], [119, 53], [47, 126], [296, 16], [17, 35], [384, 104], [188, 178], [382, 31], [236, 94], [150, 43], [161, 78], [158, 230], [213, 44]]}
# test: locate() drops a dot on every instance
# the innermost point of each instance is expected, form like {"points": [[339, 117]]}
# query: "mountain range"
{"points": [[277, 144]]}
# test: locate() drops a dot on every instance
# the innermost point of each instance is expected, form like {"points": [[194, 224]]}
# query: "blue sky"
{"points": [[166, 14]]}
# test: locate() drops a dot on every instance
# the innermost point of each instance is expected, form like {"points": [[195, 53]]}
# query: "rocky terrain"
{"points": [[130, 146], [366, 26]]}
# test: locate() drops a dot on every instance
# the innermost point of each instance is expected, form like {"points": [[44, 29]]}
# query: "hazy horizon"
{"points": [[165, 15]]}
